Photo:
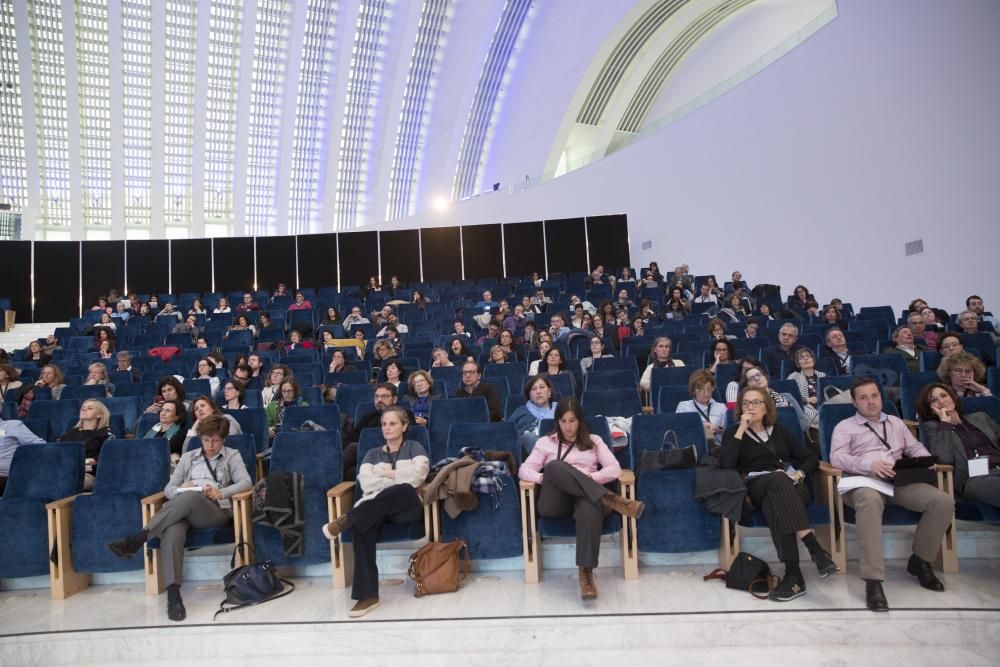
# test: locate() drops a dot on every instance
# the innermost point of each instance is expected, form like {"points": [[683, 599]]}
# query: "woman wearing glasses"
{"points": [[964, 373], [775, 466], [757, 378]]}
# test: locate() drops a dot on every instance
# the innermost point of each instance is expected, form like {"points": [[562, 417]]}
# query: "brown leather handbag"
{"points": [[439, 567]]}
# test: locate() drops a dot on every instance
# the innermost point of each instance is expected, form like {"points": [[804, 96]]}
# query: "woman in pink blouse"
{"points": [[572, 466]]}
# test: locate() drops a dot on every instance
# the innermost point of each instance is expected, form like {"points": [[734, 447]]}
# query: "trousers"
{"points": [[568, 492], [783, 503], [397, 504], [170, 525], [984, 489], [936, 508]]}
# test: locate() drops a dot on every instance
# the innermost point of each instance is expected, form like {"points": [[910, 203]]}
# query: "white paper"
{"points": [[979, 467], [851, 482], [181, 489]]}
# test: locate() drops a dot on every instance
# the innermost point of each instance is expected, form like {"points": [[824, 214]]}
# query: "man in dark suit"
{"points": [[472, 385], [785, 350]]}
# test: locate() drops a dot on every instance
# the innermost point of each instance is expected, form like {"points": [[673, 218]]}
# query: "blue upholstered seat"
{"points": [[450, 411], [326, 415]]}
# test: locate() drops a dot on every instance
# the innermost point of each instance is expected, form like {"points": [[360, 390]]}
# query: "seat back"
{"points": [[57, 412], [669, 397], [83, 392], [988, 404], [129, 407], [496, 436], [615, 379], [254, 422], [326, 415], [448, 411], [612, 402], [350, 396], [910, 386]]}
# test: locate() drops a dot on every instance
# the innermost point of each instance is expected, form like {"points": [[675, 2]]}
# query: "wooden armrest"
{"points": [[827, 469], [340, 490], [945, 467], [647, 409], [911, 423], [241, 496], [155, 499], [63, 502], [527, 486], [627, 477]]}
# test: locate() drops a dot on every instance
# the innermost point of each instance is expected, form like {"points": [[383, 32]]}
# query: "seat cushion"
{"points": [[491, 531], [674, 521], [28, 554], [99, 519]]}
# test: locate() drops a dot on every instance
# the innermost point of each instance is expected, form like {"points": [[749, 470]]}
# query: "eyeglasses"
{"points": [[471, 372], [962, 371], [701, 390], [752, 404], [754, 376]]}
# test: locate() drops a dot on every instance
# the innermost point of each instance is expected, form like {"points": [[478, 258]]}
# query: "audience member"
{"points": [[660, 357], [13, 434], [964, 373], [93, 430], [904, 346], [701, 385], [472, 385]]}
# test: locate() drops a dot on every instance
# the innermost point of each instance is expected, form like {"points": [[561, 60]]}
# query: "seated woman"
{"points": [[439, 358], [243, 324], [459, 352], [102, 304], [596, 352], [168, 389], [106, 322], [956, 439], [931, 320], [203, 407], [36, 353], [382, 352], [804, 301], [97, 374], [272, 389], [572, 466], [223, 307], [291, 395], [106, 349], [393, 373], [701, 384], [950, 343], [92, 430], [722, 352], [197, 308], [497, 355], [339, 363], [964, 373], [326, 337], [421, 391], [295, 341], [659, 356], [831, 315], [717, 330], [757, 378], [554, 363], [170, 426], [527, 418], [538, 365], [205, 370], [714, 289], [198, 496], [807, 378], [733, 388], [232, 393], [764, 312], [9, 382], [389, 477], [506, 343], [51, 377], [775, 466], [626, 276], [332, 318]]}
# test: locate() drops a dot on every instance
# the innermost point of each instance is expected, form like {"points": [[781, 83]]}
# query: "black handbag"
{"points": [[747, 573], [673, 457], [252, 584]]}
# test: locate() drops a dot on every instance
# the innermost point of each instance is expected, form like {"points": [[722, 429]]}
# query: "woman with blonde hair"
{"points": [[92, 429]]}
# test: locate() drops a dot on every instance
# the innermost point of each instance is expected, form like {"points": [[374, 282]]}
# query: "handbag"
{"points": [[674, 457], [834, 396], [747, 573], [251, 584], [915, 470], [439, 567]]}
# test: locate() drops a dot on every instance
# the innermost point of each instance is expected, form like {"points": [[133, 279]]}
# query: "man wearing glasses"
{"points": [[385, 396], [472, 385]]}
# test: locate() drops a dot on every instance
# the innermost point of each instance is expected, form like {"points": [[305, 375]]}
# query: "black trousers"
{"points": [[784, 505], [567, 492], [984, 489], [349, 456], [397, 504]]}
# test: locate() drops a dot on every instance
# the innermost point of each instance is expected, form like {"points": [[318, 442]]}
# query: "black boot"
{"points": [[175, 605], [875, 596], [824, 562], [127, 547], [924, 573]]}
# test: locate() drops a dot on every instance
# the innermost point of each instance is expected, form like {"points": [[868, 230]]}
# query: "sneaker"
{"points": [[824, 564], [127, 547], [363, 607], [337, 526], [791, 587]]}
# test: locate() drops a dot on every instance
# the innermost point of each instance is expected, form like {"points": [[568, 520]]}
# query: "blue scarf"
{"points": [[541, 413]]}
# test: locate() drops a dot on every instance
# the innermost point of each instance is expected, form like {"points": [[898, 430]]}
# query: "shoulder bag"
{"points": [[252, 584], [747, 573], [672, 457], [439, 567]]}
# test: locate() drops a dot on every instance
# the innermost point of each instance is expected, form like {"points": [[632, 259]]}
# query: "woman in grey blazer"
{"points": [[956, 438]]}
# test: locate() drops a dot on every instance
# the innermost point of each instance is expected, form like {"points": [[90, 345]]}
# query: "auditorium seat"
{"points": [[446, 412]]}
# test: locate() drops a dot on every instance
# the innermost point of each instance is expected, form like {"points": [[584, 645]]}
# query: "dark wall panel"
{"points": [[607, 236], [233, 264], [524, 248], [276, 262], [103, 268], [15, 276], [401, 255], [317, 260], [57, 280], [483, 251], [191, 265], [147, 266], [566, 244], [358, 257], [442, 259]]}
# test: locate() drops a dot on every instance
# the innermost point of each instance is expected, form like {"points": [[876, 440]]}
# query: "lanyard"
{"points": [[884, 438], [766, 443], [707, 416], [560, 455], [211, 471], [393, 459]]}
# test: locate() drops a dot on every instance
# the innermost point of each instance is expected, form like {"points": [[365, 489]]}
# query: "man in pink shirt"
{"points": [[869, 444]]}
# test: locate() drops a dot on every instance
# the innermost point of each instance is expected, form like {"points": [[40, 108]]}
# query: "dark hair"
{"points": [[744, 371], [770, 411], [388, 386], [397, 364], [945, 336], [531, 383], [211, 364], [571, 404], [11, 370], [971, 297], [240, 388], [562, 358], [729, 347], [290, 379], [243, 367], [861, 381], [173, 382], [924, 409], [213, 425], [179, 409]]}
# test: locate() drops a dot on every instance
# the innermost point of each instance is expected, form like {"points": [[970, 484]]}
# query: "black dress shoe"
{"points": [[875, 596], [175, 605], [924, 573]]}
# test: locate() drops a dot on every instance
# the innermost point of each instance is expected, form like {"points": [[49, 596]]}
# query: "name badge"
{"points": [[979, 467]]}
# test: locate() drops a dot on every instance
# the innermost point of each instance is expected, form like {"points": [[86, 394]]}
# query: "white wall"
{"points": [[879, 129]]}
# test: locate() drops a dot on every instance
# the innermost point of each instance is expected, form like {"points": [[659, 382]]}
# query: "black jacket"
{"points": [[491, 396], [748, 455]]}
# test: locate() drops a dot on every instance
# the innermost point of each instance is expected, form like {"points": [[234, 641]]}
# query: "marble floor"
{"points": [[668, 616]]}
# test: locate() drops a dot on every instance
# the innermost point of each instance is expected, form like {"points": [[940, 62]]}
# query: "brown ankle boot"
{"points": [[630, 508], [588, 587]]}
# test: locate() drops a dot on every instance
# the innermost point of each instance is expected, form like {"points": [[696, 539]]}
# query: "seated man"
{"points": [[247, 305], [487, 304], [788, 334], [540, 301], [919, 329], [385, 396], [125, 365], [751, 329], [558, 328], [198, 496], [968, 323], [472, 385], [354, 318], [392, 321], [705, 295], [903, 345], [836, 348], [169, 312], [869, 444], [189, 327], [976, 305], [13, 434]]}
